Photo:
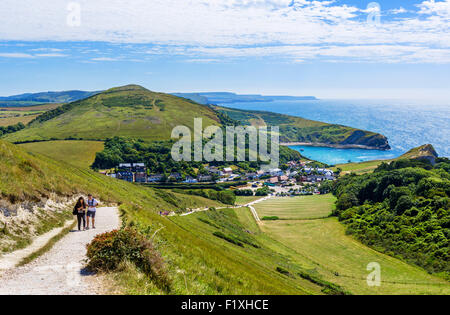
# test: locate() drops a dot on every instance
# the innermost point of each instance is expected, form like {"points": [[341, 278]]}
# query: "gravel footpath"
{"points": [[60, 270]]}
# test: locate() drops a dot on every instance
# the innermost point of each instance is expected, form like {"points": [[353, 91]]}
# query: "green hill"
{"points": [[424, 152], [129, 111], [133, 111], [296, 129]]}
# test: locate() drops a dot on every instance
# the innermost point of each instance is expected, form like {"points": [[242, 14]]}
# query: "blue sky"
{"points": [[330, 49]]}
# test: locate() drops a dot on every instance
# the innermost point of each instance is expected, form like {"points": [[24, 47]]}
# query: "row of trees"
{"points": [[11, 129]]}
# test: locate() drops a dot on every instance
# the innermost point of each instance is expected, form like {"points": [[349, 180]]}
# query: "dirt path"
{"points": [[60, 270]]}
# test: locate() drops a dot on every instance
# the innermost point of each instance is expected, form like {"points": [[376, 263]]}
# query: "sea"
{"points": [[406, 123]]}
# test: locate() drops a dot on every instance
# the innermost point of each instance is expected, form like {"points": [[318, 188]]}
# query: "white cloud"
{"points": [[400, 10], [31, 56], [104, 59], [223, 27], [16, 55], [441, 8], [50, 55]]}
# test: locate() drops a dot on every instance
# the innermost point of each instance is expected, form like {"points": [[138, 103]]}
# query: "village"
{"points": [[296, 177]]}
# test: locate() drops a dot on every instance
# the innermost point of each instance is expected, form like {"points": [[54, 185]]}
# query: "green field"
{"points": [[342, 260], [359, 168], [297, 208], [255, 268], [10, 120], [14, 115], [243, 200], [77, 153], [322, 247]]}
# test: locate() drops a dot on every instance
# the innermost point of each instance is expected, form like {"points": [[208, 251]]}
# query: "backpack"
{"points": [[75, 210]]}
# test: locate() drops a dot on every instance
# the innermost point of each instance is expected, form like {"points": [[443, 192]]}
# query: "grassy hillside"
{"points": [[296, 129], [322, 248], [77, 153], [129, 111], [133, 111], [426, 151], [196, 265]]}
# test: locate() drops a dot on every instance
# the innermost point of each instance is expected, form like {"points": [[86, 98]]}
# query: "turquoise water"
{"points": [[407, 124], [332, 156]]}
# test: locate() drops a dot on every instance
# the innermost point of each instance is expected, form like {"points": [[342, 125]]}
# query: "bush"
{"points": [[108, 250], [328, 287], [228, 238], [270, 218], [243, 192]]}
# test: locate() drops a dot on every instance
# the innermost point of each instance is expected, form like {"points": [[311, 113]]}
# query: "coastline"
{"points": [[336, 146]]}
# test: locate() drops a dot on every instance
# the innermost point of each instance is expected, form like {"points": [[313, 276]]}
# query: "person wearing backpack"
{"points": [[80, 212], [92, 209]]}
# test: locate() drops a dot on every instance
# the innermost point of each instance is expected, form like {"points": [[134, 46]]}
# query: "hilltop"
{"points": [[424, 152], [133, 111]]}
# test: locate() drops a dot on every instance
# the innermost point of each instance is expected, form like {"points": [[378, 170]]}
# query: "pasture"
{"points": [[297, 208], [77, 153]]}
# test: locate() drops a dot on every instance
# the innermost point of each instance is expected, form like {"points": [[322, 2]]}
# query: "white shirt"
{"points": [[92, 205]]}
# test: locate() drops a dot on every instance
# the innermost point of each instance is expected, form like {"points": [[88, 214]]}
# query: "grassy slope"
{"points": [[77, 153], [258, 263], [322, 247], [359, 168], [296, 129], [130, 111], [317, 206], [207, 267], [370, 166]]}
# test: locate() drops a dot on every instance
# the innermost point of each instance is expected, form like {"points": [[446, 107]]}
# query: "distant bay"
{"points": [[407, 124]]}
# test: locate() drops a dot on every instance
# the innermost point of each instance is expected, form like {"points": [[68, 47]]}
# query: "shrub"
{"points": [[270, 218], [328, 287], [108, 250], [284, 272], [228, 238]]}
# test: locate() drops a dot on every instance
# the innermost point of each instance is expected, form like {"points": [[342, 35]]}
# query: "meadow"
{"points": [[358, 168], [243, 200], [78, 153], [297, 208], [14, 115], [322, 247]]}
